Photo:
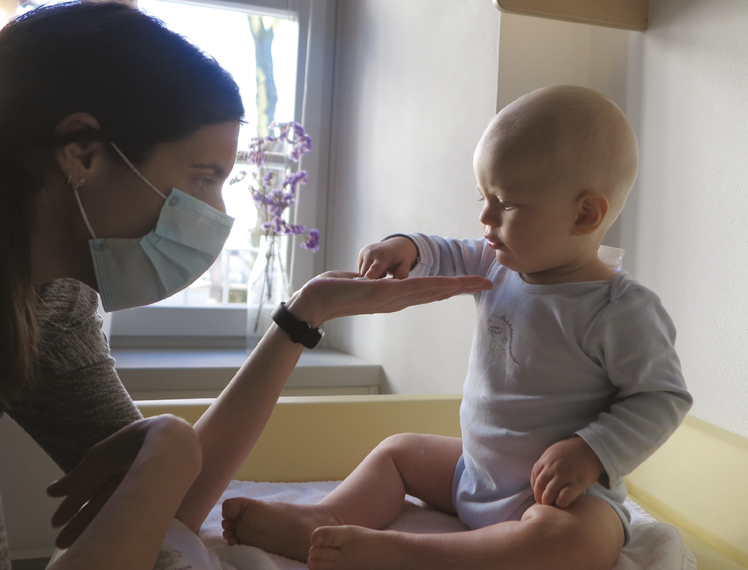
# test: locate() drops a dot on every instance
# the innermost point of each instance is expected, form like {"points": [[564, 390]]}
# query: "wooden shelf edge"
{"points": [[622, 14]]}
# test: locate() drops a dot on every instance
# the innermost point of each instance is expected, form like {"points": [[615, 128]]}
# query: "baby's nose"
{"points": [[489, 217]]}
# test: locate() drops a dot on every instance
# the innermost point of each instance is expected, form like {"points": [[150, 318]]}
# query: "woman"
{"points": [[116, 136]]}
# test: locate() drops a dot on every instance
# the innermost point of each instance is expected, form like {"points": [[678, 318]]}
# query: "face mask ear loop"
{"points": [[80, 205], [135, 170]]}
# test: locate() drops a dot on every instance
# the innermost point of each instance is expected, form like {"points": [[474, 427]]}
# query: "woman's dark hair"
{"points": [[143, 83]]}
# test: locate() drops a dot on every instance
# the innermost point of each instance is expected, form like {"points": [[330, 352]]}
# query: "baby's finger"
{"points": [[550, 493], [567, 496], [400, 271], [536, 470], [376, 270], [363, 262], [538, 488]]}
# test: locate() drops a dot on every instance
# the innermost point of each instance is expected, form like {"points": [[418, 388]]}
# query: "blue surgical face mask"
{"points": [[188, 238]]}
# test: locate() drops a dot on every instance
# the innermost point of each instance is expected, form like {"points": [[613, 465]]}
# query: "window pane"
{"points": [[226, 35]]}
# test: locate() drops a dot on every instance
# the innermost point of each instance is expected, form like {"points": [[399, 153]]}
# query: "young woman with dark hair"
{"points": [[116, 136]]}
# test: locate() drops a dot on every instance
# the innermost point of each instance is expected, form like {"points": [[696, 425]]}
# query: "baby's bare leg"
{"points": [[586, 536], [416, 464], [372, 496]]}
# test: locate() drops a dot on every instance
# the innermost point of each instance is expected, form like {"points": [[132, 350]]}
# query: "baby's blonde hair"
{"points": [[582, 138]]}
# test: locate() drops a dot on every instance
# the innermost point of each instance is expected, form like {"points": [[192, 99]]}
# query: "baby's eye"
{"points": [[506, 206], [481, 198]]}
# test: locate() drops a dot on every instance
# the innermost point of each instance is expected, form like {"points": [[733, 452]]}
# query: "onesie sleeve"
{"points": [[76, 399], [451, 257], [634, 341]]}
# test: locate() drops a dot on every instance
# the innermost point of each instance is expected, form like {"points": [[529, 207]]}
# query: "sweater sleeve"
{"points": [[451, 257], [634, 341], [76, 399]]}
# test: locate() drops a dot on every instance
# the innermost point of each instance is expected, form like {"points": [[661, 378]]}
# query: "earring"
{"points": [[78, 183]]}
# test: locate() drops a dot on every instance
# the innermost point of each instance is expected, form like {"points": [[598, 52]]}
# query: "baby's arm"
{"points": [[395, 255], [421, 255], [634, 341]]}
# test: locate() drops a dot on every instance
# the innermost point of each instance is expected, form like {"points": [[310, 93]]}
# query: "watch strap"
{"points": [[298, 331]]}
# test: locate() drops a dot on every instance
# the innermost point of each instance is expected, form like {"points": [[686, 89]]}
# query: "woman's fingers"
{"points": [[398, 294], [80, 520], [341, 294]]}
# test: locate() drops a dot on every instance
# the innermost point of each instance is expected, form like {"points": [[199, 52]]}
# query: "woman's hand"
{"points": [[93, 481], [340, 294]]}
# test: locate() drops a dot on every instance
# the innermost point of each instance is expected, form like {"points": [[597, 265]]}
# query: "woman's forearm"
{"points": [[230, 428]]}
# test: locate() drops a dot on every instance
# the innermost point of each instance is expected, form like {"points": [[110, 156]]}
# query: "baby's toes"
{"points": [[229, 531], [233, 509], [329, 537], [230, 537], [322, 558]]}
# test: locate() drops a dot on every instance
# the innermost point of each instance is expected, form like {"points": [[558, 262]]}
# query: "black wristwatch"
{"points": [[299, 331]]}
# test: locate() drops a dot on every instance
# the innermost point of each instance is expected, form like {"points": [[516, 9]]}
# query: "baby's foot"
{"points": [[356, 548], [280, 528]]}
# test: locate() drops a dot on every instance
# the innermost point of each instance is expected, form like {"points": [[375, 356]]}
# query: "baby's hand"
{"points": [[564, 472], [395, 256]]}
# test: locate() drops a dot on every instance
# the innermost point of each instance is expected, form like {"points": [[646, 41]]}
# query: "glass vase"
{"points": [[267, 287]]}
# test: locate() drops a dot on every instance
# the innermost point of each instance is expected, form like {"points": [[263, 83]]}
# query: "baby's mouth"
{"points": [[494, 243]]}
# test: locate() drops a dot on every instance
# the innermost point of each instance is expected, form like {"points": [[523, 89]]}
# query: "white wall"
{"points": [[415, 87], [687, 222], [23, 484], [416, 84]]}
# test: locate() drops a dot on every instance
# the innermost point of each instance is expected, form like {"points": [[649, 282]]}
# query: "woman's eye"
{"points": [[481, 198]]}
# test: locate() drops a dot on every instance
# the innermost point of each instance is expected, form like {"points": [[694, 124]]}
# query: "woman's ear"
{"points": [[592, 208], [76, 159]]}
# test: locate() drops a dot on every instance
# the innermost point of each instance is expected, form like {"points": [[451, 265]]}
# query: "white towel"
{"points": [[653, 546]]}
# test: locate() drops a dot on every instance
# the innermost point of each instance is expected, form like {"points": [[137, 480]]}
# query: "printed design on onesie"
{"points": [[167, 558], [502, 337]]}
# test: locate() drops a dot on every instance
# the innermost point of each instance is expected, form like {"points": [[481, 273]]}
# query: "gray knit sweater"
{"points": [[77, 399]]}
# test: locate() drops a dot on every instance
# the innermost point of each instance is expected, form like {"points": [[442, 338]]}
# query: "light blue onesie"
{"points": [[594, 359]]}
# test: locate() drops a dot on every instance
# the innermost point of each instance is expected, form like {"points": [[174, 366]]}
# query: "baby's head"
{"points": [[555, 168]]}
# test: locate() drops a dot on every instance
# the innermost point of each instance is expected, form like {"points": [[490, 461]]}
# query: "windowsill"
{"points": [[156, 374]]}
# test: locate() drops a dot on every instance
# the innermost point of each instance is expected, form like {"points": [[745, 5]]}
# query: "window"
{"points": [[213, 312]]}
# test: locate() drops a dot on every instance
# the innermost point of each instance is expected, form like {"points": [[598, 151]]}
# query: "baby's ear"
{"points": [[592, 209]]}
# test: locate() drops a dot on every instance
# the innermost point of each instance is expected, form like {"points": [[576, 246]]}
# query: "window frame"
{"points": [[226, 326]]}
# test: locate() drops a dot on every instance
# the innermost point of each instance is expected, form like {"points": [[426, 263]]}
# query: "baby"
{"points": [[573, 379]]}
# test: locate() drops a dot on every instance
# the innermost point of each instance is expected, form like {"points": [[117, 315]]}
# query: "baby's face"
{"points": [[527, 216]]}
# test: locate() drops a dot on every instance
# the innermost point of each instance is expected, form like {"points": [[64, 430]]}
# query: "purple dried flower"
{"points": [[241, 175], [298, 131], [312, 241], [259, 198], [269, 179], [294, 179], [274, 200]]}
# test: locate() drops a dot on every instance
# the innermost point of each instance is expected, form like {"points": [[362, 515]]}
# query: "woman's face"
{"points": [[123, 206]]}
